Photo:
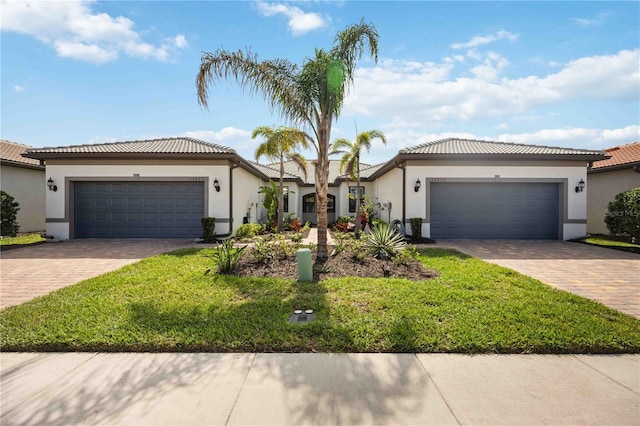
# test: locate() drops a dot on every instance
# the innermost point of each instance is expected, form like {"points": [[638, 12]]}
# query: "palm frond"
{"points": [[301, 162], [275, 79]]}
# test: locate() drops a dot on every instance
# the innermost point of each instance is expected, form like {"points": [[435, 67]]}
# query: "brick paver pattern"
{"points": [[29, 272], [609, 276]]}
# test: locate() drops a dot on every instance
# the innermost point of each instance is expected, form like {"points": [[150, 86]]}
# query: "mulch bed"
{"points": [[340, 265]]}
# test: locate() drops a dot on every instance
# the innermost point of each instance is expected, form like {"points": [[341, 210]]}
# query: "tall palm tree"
{"points": [[280, 144], [350, 162], [310, 97]]}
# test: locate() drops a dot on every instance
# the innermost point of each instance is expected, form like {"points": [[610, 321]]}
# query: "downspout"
{"points": [[404, 193], [232, 166]]}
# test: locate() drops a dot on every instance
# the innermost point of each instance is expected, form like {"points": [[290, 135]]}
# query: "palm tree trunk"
{"points": [[322, 188], [280, 213], [356, 229]]}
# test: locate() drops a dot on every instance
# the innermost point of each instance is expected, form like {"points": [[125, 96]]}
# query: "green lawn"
{"points": [[606, 241], [166, 303], [21, 240]]}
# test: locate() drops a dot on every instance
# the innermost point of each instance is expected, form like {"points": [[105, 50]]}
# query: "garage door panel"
{"points": [[494, 210], [139, 209]]}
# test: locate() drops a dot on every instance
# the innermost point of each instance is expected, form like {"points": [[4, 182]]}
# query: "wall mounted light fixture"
{"points": [[52, 185], [216, 184], [418, 185], [580, 186]]}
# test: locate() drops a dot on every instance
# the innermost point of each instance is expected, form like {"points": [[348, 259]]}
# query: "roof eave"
{"points": [[505, 156], [128, 155], [5, 162], [614, 167]]}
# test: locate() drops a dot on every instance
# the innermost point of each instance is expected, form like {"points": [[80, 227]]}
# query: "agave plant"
{"points": [[384, 242], [226, 258]]}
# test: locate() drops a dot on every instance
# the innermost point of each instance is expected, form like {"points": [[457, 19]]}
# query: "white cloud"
{"points": [[592, 22], [299, 22], [101, 139], [485, 39], [75, 31], [180, 41], [428, 92], [18, 88], [577, 137], [232, 137]]}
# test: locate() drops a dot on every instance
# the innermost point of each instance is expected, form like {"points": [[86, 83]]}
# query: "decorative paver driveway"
{"points": [[609, 276], [29, 272]]}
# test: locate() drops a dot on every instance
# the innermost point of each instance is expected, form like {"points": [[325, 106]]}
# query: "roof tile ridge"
{"points": [[213, 144]]}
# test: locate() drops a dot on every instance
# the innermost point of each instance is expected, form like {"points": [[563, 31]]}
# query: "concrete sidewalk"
{"points": [[211, 389]]}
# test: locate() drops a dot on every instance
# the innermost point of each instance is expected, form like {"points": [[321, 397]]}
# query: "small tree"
{"points": [[9, 213], [623, 214], [282, 144], [350, 162]]}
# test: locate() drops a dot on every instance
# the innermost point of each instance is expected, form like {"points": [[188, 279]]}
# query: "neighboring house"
{"points": [[23, 178], [460, 189], [607, 178]]}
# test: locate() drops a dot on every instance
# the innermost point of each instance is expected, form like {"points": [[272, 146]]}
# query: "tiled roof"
{"points": [[369, 170], [178, 145], [273, 171], [471, 146], [334, 170], [620, 155], [11, 152]]}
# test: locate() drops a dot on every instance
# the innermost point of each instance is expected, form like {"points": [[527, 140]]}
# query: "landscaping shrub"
{"points": [[384, 242], [416, 228], [342, 224], [8, 215], [293, 224], [623, 214], [297, 237], [226, 258], [208, 229], [249, 230]]}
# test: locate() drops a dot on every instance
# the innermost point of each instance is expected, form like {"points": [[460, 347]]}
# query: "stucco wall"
{"points": [[245, 196], [28, 187], [388, 188], [59, 203], [342, 199], [601, 190], [574, 225]]}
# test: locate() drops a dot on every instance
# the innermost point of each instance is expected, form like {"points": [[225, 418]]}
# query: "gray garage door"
{"points": [[494, 210], [139, 209]]}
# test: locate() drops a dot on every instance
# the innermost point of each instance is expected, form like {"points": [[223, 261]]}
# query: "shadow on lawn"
{"points": [[313, 385]]}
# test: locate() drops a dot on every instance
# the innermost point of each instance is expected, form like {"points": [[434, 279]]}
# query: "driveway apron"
{"points": [[29, 272], [611, 277]]}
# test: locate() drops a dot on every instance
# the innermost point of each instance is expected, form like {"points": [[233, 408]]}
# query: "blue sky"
{"points": [[549, 73]]}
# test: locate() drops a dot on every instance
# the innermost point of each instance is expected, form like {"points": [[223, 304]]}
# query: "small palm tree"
{"points": [[350, 162], [280, 144]]}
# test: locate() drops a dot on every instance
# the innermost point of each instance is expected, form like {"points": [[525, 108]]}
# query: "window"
{"points": [[309, 203], [331, 203], [285, 200], [352, 198]]}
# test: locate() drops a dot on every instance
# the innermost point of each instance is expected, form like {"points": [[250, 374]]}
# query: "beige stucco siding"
{"points": [[245, 196], [388, 189], [602, 189], [28, 187]]}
